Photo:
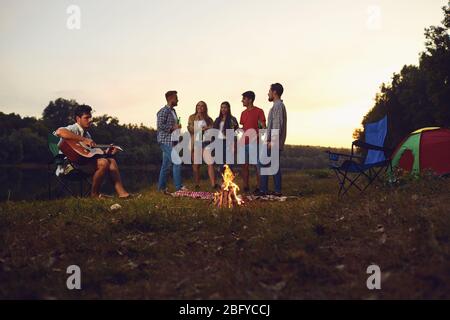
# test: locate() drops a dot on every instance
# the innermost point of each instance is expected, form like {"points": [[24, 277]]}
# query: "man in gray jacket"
{"points": [[277, 119]]}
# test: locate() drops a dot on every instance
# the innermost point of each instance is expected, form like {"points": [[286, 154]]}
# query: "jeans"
{"points": [[264, 180], [250, 158], [166, 163]]}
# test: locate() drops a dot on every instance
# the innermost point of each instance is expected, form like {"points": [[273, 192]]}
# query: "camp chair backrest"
{"points": [[53, 141], [375, 134]]}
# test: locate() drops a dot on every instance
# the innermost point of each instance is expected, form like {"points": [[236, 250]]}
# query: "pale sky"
{"points": [[331, 56]]}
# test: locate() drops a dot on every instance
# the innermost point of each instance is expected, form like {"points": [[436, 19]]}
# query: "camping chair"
{"points": [[369, 166], [64, 179]]}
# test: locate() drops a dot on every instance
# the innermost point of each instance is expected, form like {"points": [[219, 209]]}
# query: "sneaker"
{"points": [[131, 196], [183, 188], [260, 193], [164, 191], [104, 197], [276, 194]]}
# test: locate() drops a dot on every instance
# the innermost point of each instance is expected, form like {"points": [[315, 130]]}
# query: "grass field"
{"points": [[159, 247]]}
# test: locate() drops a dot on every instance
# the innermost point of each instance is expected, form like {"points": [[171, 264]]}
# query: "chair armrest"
{"points": [[330, 154], [58, 159], [368, 146]]}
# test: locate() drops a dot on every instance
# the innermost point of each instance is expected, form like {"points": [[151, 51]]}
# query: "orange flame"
{"points": [[231, 188]]}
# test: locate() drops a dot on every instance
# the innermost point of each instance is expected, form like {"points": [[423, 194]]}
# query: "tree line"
{"points": [[24, 139], [417, 96]]}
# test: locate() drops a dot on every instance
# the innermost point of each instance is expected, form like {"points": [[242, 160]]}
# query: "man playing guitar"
{"points": [[98, 167]]}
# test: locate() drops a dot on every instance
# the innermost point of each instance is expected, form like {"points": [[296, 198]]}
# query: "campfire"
{"points": [[227, 197]]}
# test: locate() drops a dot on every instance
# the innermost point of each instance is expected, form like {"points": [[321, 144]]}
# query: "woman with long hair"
{"points": [[223, 122], [200, 122]]}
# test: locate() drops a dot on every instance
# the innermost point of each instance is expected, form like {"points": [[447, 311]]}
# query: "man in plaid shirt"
{"points": [[277, 119], [167, 122]]}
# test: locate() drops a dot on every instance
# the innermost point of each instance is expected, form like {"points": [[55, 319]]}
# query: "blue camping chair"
{"points": [[371, 166]]}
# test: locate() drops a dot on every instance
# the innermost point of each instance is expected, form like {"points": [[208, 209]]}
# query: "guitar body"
{"points": [[78, 152]]}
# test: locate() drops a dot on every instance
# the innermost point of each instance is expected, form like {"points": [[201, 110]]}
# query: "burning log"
{"points": [[227, 197]]}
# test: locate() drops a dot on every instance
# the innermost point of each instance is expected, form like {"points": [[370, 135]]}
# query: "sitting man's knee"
{"points": [[113, 161], [102, 163]]}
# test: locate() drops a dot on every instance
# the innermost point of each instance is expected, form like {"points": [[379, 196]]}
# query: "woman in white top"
{"points": [[200, 121]]}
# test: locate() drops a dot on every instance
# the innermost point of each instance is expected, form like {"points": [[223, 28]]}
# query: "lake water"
{"points": [[32, 184]]}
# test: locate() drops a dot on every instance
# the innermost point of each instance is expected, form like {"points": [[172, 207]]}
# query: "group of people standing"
{"points": [[252, 118]]}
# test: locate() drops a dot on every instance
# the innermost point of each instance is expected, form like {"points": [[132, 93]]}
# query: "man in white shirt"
{"points": [[98, 167]]}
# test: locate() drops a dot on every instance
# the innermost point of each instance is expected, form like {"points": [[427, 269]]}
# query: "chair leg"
{"points": [[346, 182], [345, 177], [49, 182], [375, 174], [341, 182], [353, 183], [67, 188], [384, 173], [89, 187]]}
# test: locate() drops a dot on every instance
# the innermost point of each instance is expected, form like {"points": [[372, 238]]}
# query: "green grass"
{"points": [[159, 247]]}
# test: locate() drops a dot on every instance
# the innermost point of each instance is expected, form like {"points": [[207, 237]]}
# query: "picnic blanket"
{"points": [[271, 198], [194, 194], [203, 195]]}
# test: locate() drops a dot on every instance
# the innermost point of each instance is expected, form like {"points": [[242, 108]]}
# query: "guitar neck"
{"points": [[103, 146], [106, 146]]}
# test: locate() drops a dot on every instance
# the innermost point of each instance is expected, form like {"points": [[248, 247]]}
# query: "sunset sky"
{"points": [[331, 56]]}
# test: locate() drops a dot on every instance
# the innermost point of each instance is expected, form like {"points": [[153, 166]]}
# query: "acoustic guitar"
{"points": [[78, 152]]}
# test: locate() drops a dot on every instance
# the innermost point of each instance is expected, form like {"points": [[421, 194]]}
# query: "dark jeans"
{"points": [[264, 179], [165, 166]]}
